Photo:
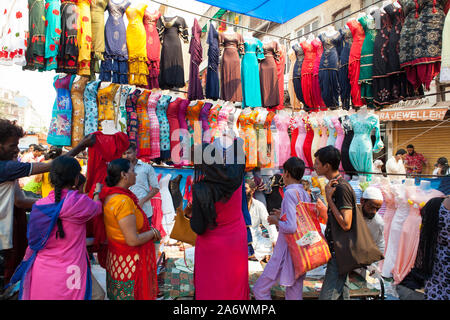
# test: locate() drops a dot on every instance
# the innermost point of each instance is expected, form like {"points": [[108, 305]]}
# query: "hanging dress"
{"points": [[153, 47], [194, 124], [164, 127], [60, 130], [206, 134], [195, 90], [98, 8], [295, 103], [382, 86], [361, 149], [307, 75], [170, 30], [137, 45], [116, 54], [230, 68], [212, 74], [331, 130], [247, 132], [174, 125], [76, 94], [354, 61], [154, 130], [293, 129], [91, 107], [253, 53], [84, 38], [120, 107], [346, 164], [315, 143], [52, 33], [323, 132], [261, 136], [297, 75], [105, 97], [328, 70], [339, 134], [445, 64], [132, 117], [300, 139], [271, 144], [36, 36], [143, 151], [268, 75], [14, 17], [213, 120], [308, 143], [184, 132], [68, 43], [281, 64], [366, 68], [344, 82], [318, 49]]}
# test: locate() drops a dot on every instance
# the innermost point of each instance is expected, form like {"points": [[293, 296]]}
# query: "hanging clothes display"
{"points": [[78, 108], [315, 143], [361, 150], [194, 125], [154, 130], [247, 120], [105, 98], [230, 72], [293, 99], [212, 74], [171, 66], [354, 61], [331, 140], [344, 83], [213, 121], [52, 33], [253, 53], [174, 125], [268, 75], [281, 121], [328, 70], [445, 64], [114, 68], [132, 117], [307, 75], [281, 64], [60, 129], [204, 113], [301, 139], [164, 128], [293, 129], [13, 32], [366, 62], [271, 144], [183, 128], [323, 133], [195, 90], [121, 108], [98, 8], [261, 136], [346, 164], [137, 45], [298, 75], [68, 44], [318, 51], [84, 37], [308, 143], [153, 47], [91, 107], [36, 36], [143, 151], [340, 134]]}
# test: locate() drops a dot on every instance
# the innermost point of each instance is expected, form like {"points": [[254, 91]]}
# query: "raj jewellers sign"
{"points": [[415, 111]]}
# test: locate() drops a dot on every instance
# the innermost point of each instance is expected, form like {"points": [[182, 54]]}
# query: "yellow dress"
{"points": [[136, 43], [248, 133], [84, 37], [105, 99]]}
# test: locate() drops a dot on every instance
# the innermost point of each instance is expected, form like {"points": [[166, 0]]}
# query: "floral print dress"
{"points": [[13, 30], [164, 128], [78, 109], [52, 33], [36, 36], [132, 118], [68, 52], [84, 38], [91, 107]]}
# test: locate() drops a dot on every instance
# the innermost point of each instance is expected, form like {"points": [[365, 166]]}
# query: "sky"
{"points": [[38, 86]]}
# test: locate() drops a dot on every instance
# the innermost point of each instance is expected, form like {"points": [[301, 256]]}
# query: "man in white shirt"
{"points": [[371, 202], [146, 186], [395, 164], [258, 212]]}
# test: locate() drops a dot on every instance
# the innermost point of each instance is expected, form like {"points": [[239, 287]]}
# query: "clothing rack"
{"points": [[218, 20]]}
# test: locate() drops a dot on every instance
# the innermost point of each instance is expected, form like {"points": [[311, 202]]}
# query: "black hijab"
{"points": [[213, 183]]}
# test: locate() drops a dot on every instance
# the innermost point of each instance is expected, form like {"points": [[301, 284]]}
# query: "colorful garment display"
{"points": [[14, 17], [98, 8], [247, 120], [155, 148], [268, 75], [174, 125], [281, 65], [297, 75], [328, 70], [120, 107], [308, 143], [366, 68], [295, 102], [354, 61], [60, 130], [105, 96], [164, 128], [307, 74], [36, 36], [171, 67], [137, 45], [78, 108], [84, 37], [193, 122], [195, 90], [68, 43], [232, 46], [284, 149], [153, 47], [91, 107], [346, 164], [52, 33], [344, 83], [204, 113], [143, 151], [253, 53], [132, 117], [318, 51], [212, 74]]}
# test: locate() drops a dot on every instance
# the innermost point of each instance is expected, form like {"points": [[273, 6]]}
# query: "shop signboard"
{"points": [[417, 110]]}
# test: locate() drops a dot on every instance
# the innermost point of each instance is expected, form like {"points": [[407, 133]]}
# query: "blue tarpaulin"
{"points": [[279, 11]]}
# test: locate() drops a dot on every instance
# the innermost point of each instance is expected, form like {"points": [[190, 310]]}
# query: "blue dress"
{"points": [[60, 131], [253, 51], [361, 149], [164, 128], [346, 41], [328, 70], [90, 107], [212, 75], [331, 131], [297, 75]]}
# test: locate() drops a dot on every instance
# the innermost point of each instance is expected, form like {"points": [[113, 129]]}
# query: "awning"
{"points": [[279, 11], [413, 114]]}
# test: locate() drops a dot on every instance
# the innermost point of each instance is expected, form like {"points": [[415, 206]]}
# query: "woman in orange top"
{"points": [[130, 261]]}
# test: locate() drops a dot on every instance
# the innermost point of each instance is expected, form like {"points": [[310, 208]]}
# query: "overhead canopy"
{"points": [[279, 11]]}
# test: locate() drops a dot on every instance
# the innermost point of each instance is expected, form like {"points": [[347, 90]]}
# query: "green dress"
{"points": [[52, 33], [365, 73], [36, 36]]}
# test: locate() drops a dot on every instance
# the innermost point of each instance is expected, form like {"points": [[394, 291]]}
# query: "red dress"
{"points": [[307, 75], [354, 61], [153, 48], [280, 73], [318, 101], [157, 216], [294, 135], [308, 143], [172, 116]]}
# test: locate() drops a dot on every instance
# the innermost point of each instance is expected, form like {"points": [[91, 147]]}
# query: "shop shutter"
{"points": [[433, 144]]}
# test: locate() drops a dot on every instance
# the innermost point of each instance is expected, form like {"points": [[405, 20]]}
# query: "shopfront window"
{"points": [[338, 20], [313, 25]]}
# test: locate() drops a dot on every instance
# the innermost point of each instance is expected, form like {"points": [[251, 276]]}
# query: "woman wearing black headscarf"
{"points": [[221, 251]]}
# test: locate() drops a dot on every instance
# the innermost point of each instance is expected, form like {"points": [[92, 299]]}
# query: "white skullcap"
{"points": [[372, 193]]}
